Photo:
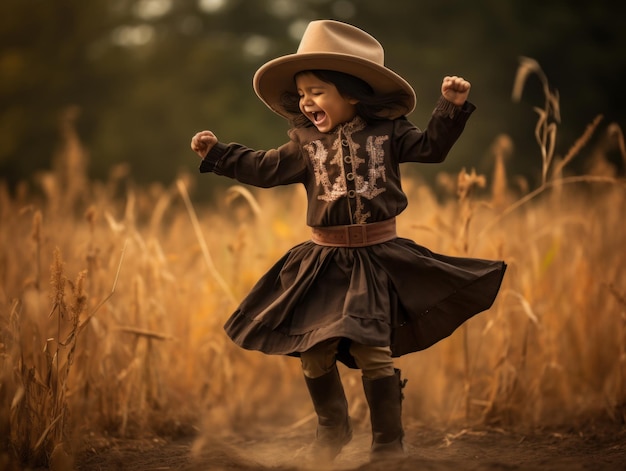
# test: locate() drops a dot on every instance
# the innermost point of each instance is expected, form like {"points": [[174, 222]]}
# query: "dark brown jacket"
{"points": [[352, 174]]}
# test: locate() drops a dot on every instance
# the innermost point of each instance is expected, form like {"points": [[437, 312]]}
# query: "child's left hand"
{"points": [[455, 89]]}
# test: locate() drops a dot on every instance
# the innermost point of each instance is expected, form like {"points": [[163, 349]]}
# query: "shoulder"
{"points": [[392, 124], [302, 135], [402, 126]]}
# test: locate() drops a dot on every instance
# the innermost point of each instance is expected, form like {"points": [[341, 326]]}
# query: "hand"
{"points": [[455, 89], [203, 142]]}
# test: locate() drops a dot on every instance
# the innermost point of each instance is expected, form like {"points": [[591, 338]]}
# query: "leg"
{"points": [[319, 359], [329, 400], [383, 391], [374, 362]]}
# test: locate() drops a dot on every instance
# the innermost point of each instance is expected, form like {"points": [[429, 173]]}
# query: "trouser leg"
{"points": [[374, 362], [319, 359]]}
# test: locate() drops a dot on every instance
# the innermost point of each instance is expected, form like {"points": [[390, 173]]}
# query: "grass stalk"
{"points": [[182, 188]]}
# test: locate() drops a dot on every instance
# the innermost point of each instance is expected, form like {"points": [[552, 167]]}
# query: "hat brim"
{"points": [[276, 77]]}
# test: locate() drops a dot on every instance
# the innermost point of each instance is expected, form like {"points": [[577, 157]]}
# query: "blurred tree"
{"points": [[45, 65], [148, 73]]}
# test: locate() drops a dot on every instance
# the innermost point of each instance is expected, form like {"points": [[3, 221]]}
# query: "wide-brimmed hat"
{"points": [[332, 45]]}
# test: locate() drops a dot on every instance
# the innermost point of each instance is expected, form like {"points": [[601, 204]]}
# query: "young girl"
{"points": [[356, 292]]}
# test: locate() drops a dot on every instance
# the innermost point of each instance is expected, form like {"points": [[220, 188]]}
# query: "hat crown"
{"points": [[327, 36], [340, 47]]}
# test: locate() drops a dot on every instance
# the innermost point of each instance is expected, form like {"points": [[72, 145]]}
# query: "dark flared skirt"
{"points": [[397, 293]]}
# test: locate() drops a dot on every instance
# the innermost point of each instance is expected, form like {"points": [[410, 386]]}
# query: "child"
{"points": [[356, 292]]}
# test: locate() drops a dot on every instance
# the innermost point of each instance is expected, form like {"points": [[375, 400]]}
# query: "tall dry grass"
{"points": [[113, 297]]}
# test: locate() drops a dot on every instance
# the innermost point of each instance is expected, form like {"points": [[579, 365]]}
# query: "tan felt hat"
{"points": [[332, 45]]}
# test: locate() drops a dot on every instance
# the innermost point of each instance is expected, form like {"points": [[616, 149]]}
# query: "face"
{"points": [[322, 104]]}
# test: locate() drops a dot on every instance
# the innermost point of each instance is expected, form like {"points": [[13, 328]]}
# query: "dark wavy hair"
{"points": [[370, 106]]}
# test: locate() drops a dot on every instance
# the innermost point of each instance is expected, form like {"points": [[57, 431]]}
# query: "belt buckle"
{"points": [[356, 234]]}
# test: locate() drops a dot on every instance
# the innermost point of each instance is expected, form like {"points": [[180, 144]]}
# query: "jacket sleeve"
{"points": [[432, 145], [265, 169]]}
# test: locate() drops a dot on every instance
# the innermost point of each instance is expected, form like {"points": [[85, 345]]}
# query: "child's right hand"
{"points": [[203, 142]]}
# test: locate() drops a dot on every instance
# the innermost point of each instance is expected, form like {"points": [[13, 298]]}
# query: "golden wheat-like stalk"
{"points": [[549, 115], [579, 144], [203, 245], [502, 149], [236, 191]]}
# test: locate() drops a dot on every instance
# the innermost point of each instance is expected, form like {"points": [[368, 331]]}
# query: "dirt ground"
{"points": [[592, 447]]}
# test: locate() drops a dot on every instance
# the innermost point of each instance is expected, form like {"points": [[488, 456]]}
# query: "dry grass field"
{"points": [[113, 297]]}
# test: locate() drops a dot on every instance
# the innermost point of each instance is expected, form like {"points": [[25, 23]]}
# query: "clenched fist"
{"points": [[455, 89], [203, 142]]}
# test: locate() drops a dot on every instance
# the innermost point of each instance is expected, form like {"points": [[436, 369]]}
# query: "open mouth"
{"points": [[318, 116]]}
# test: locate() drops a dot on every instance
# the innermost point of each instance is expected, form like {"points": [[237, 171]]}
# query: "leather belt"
{"points": [[355, 235]]}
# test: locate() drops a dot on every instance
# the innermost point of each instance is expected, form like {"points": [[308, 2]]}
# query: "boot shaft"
{"points": [[329, 398], [384, 396], [334, 429]]}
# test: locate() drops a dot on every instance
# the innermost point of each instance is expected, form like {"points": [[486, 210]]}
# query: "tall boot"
{"points": [[384, 396], [334, 429]]}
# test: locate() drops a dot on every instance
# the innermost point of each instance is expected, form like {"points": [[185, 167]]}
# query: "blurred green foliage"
{"points": [[147, 74]]}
